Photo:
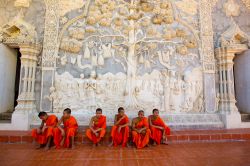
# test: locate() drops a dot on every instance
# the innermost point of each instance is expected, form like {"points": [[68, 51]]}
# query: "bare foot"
{"points": [[94, 145], [165, 143], [39, 147], [154, 144], [73, 147], [110, 145], [62, 143], [128, 146], [46, 148]]}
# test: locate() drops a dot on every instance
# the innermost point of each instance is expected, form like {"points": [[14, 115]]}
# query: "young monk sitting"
{"points": [[141, 132], [120, 130], [69, 129], [97, 127], [159, 130], [47, 130]]}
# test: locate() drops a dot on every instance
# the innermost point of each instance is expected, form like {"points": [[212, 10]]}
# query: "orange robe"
{"points": [[42, 138], [122, 136], [141, 139], [98, 123], [70, 129], [156, 134]]}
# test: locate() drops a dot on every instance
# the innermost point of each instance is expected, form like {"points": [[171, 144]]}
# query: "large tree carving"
{"points": [[139, 33]]}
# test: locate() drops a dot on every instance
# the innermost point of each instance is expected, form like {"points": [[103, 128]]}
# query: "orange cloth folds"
{"points": [[157, 134], [98, 123], [141, 139], [122, 136], [50, 123]]}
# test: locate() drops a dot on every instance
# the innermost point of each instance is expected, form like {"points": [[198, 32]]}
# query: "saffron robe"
{"points": [[157, 134], [98, 123], [122, 136], [51, 130], [141, 139], [70, 128]]}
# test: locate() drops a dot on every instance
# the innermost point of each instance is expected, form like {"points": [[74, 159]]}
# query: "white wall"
{"points": [[242, 81], [8, 60]]}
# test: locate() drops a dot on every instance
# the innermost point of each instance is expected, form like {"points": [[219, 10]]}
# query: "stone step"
{"points": [[186, 136], [245, 117]]}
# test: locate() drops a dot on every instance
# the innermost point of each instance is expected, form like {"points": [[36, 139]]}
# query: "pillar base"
{"points": [[21, 117], [20, 120], [231, 120]]}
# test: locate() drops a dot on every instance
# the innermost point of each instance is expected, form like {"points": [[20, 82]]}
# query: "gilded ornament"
{"points": [[118, 21], [180, 33], [90, 29], [181, 49], [105, 22], [157, 19], [165, 5], [146, 7], [135, 16], [151, 31], [168, 19], [91, 20], [145, 22], [190, 43]]}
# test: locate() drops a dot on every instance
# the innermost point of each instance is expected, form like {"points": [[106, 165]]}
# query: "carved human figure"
{"points": [[188, 98], [81, 88], [166, 88], [217, 100], [55, 99], [107, 52], [86, 52], [175, 86], [198, 106], [90, 88]]}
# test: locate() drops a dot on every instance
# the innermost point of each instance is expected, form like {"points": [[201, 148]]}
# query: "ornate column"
{"points": [[227, 107], [207, 54], [50, 50], [26, 98]]}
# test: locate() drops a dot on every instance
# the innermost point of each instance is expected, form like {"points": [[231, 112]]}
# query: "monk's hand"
{"points": [[139, 131], [43, 129], [63, 133], [96, 133], [119, 129]]}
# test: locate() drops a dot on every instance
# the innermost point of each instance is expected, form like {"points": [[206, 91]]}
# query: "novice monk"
{"points": [[159, 130], [141, 132], [69, 130], [43, 135], [97, 127], [120, 130]]}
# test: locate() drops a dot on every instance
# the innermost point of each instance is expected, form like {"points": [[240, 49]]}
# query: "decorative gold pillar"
{"points": [[26, 97]]}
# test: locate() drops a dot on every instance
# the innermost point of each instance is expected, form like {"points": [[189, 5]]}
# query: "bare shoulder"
{"points": [[134, 119]]}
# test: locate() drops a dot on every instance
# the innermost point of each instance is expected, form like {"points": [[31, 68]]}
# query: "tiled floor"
{"points": [[192, 154]]}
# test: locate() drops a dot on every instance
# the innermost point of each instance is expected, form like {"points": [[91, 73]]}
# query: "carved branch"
{"points": [[83, 15]]}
